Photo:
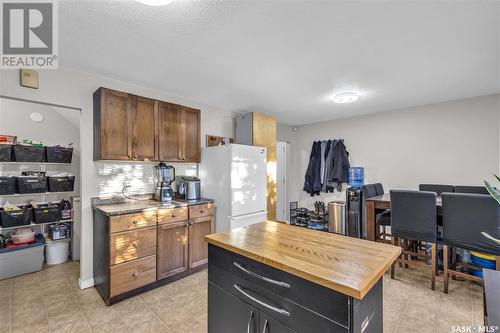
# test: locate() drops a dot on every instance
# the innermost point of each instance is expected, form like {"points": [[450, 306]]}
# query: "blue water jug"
{"points": [[356, 176]]}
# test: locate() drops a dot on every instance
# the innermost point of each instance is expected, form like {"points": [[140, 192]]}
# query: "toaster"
{"points": [[188, 187]]}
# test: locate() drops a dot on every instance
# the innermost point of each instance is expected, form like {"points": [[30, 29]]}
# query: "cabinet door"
{"points": [[144, 129], [227, 313], [172, 248], [116, 143], [270, 325], [189, 135], [198, 247], [168, 132]]}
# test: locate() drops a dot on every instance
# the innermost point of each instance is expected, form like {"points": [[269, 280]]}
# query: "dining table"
{"points": [[382, 202]]}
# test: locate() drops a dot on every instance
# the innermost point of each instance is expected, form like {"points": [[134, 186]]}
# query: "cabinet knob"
{"points": [[134, 244], [129, 156], [187, 224], [202, 211], [135, 274], [135, 222], [173, 215], [135, 156]]}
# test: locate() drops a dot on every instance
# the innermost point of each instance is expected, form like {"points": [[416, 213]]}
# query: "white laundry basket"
{"points": [[56, 252]]}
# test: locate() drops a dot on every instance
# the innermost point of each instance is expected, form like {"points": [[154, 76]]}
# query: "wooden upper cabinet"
{"points": [[112, 118], [144, 129], [129, 127], [189, 135], [169, 132]]}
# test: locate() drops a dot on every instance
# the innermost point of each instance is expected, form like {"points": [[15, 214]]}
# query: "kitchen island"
{"points": [[271, 277]]}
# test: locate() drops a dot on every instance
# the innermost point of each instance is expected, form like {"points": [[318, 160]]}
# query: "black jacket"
{"points": [[312, 181], [341, 166]]}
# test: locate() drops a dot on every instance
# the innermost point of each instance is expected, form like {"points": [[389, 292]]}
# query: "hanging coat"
{"points": [[340, 166], [312, 179], [329, 162]]}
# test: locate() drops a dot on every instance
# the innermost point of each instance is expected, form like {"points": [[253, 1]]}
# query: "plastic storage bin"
{"points": [[47, 213], [8, 185], [56, 252], [31, 184], [16, 218], [61, 184], [59, 154], [28, 153], [23, 259], [5, 153], [356, 176], [22, 236]]}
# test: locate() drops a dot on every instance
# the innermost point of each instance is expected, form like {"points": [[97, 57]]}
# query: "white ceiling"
{"points": [[286, 58]]}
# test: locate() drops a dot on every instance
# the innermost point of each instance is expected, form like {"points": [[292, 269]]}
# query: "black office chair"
{"points": [[465, 216], [471, 189], [413, 218], [437, 188], [382, 219]]}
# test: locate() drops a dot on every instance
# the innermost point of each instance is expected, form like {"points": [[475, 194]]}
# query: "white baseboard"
{"points": [[84, 284]]}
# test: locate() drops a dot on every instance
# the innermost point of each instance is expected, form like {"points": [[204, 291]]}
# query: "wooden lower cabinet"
{"points": [[136, 252], [198, 247], [172, 248]]}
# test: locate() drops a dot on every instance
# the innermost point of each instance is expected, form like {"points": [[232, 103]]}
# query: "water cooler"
{"points": [[355, 226]]}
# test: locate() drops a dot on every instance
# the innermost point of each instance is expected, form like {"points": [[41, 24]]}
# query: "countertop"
{"points": [[146, 205], [347, 265]]}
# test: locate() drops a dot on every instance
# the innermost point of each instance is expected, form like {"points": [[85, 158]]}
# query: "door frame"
{"points": [[282, 163]]}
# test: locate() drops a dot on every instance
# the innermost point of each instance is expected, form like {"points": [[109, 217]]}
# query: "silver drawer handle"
{"points": [[270, 307], [250, 321], [258, 276], [264, 330]]}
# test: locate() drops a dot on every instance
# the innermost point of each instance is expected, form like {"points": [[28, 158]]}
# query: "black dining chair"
{"points": [[437, 188], [471, 189], [382, 218], [465, 216], [413, 219]]}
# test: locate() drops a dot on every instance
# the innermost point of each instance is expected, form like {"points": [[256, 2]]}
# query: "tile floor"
{"points": [[50, 301]]}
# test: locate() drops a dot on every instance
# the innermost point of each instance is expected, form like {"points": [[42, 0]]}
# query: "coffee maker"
{"points": [[165, 175]]}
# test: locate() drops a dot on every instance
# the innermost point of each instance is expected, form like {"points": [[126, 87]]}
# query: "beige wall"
{"points": [[74, 89], [455, 142]]}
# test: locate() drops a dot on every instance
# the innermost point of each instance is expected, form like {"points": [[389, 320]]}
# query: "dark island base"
{"points": [[248, 296]]}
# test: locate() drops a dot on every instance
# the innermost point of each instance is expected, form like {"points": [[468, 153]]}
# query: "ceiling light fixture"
{"points": [[346, 97], [155, 2]]}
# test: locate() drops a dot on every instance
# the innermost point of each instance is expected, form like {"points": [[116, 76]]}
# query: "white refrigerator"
{"points": [[235, 177]]}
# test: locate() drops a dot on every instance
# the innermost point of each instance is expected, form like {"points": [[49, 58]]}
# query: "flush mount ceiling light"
{"points": [[155, 2], [346, 97]]}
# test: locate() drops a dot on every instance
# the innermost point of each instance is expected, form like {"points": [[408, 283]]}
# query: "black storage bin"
{"points": [[5, 153], [7, 185], [16, 218], [61, 184], [31, 184], [28, 154], [59, 154], [47, 213]]}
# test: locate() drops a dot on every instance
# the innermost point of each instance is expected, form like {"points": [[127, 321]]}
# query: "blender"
{"points": [[165, 175]]}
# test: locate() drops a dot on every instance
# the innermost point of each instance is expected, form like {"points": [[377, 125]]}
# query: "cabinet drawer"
{"points": [[201, 210], [324, 301], [131, 275], [130, 245], [289, 313], [132, 221], [172, 215]]}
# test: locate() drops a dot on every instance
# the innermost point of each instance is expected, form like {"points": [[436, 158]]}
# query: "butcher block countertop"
{"points": [[347, 265]]}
